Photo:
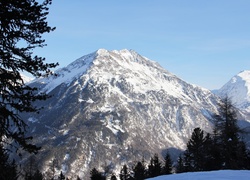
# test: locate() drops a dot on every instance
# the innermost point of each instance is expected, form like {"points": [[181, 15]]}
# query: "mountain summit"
{"points": [[238, 90], [115, 107]]}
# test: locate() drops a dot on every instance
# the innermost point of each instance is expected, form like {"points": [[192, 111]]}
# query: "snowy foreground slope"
{"points": [[109, 108], [211, 175], [238, 89]]}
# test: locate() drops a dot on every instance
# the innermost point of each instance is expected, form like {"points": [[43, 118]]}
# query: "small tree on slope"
{"points": [[168, 164], [139, 171], [154, 168]]}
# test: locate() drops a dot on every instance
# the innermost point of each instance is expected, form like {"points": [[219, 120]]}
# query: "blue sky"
{"points": [[204, 42]]}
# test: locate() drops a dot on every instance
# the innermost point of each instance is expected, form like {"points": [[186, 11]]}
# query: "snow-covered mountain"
{"points": [[26, 79], [238, 90], [115, 107]]}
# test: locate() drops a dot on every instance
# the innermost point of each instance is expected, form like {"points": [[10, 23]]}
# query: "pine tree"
{"points": [[180, 165], [168, 164], [154, 168], [227, 135], [187, 162], [61, 176], [22, 25], [78, 178], [96, 175], [124, 173], [8, 170], [211, 155], [38, 175], [30, 168], [194, 155], [139, 171], [113, 177]]}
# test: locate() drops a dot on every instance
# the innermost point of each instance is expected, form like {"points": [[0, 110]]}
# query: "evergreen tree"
{"points": [[139, 171], [187, 163], [211, 154], [78, 178], [168, 164], [22, 25], [38, 175], [8, 170], [180, 165], [195, 154], [61, 176], [227, 135], [113, 177], [124, 173], [30, 168], [96, 175], [154, 168]]}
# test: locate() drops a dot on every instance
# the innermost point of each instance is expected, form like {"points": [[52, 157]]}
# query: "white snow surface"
{"points": [[68, 74], [32, 119], [26, 79], [213, 175], [238, 90]]}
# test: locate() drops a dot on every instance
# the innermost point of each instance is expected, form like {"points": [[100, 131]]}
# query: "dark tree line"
{"points": [[225, 149], [139, 170]]}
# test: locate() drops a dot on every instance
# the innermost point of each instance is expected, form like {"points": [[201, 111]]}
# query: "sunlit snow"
{"points": [[238, 90], [32, 119], [213, 175]]}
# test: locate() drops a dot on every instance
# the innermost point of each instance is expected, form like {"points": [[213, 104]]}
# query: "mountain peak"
{"points": [[102, 51], [105, 51], [123, 52], [245, 75], [238, 89], [116, 102]]}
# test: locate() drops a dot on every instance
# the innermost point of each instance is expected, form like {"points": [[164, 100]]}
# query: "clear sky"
{"points": [[204, 42]]}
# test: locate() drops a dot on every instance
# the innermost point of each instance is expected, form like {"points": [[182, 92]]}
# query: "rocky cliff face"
{"points": [[112, 107]]}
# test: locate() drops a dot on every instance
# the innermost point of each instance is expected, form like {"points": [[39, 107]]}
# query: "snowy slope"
{"points": [[141, 73], [67, 74], [213, 175], [26, 78], [115, 107], [238, 89]]}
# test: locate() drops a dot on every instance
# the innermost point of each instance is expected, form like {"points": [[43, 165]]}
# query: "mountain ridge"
{"points": [[115, 107], [86, 61]]}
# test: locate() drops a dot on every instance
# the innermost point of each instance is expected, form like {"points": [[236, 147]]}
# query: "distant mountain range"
{"points": [[114, 107]]}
